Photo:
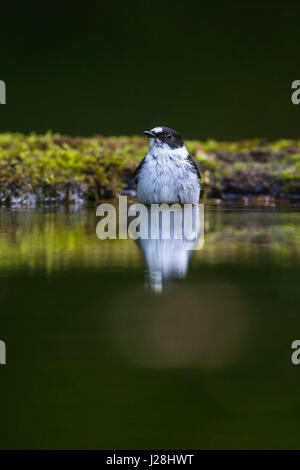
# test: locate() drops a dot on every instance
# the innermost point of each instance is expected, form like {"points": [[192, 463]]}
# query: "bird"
{"points": [[168, 173]]}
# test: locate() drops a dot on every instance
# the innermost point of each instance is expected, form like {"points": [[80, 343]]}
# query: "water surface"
{"points": [[99, 358]]}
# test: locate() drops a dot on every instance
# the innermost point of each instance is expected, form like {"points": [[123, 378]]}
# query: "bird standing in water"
{"points": [[167, 174]]}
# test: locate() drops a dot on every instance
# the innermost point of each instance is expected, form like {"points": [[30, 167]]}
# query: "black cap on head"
{"points": [[165, 135]]}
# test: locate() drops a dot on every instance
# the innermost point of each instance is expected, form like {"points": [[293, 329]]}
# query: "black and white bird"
{"points": [[167, 174]]}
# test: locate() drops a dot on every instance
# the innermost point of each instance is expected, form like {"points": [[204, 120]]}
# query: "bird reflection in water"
{"points": [[168, 235]]}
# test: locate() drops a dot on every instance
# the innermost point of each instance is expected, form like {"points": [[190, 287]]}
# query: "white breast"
{"points": [[167, 176]]}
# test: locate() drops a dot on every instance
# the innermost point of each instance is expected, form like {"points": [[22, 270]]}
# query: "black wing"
{"points": [[135, 175], [194, 166]]}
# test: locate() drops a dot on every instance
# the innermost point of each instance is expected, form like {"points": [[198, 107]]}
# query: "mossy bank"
{"points": [[54, 168]]}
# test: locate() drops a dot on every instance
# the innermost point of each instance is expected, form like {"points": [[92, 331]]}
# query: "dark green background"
{"points": [[207, 69]]}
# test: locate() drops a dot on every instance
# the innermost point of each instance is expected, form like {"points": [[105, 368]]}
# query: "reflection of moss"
{"points": [[52, 239], [55, 167]]}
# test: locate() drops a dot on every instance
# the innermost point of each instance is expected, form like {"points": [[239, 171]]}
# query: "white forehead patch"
{"points": [[156, 130]]}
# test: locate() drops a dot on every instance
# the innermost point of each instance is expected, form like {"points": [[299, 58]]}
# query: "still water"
{"points": [[112, 344]]}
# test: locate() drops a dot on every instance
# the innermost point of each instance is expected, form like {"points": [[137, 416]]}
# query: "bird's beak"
{"points": [[149, 134]]}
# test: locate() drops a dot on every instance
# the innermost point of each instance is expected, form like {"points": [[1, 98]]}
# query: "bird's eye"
{"points": [[169, 136]]}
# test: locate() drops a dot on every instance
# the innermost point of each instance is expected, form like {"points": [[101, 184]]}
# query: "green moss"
{"points": [[206, 162], [235, 148], [284, 144], [239, 166], [101, 165], [288, 174]]}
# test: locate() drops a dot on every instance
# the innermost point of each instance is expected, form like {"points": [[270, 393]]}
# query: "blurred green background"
{"points": [[206, 69]]}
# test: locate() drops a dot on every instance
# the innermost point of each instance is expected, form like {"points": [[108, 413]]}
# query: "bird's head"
{"points": [[161, 136]]}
